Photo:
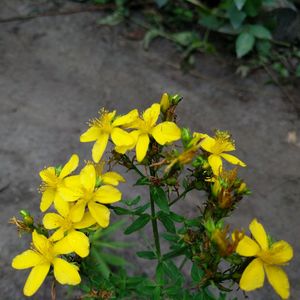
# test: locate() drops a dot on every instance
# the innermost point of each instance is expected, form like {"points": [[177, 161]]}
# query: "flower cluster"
{"points": [[74, 206]]}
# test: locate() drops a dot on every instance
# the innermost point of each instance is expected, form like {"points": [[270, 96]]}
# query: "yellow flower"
{"points": [[217, 146], [105, 126], [66, 230], [268, 259], [112, 178], [163, 133], [44, 254], [82, 188], [52, 182]]}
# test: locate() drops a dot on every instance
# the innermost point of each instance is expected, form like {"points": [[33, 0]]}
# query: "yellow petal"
{"points": [[247, 247], [92, 134], [72, 181], [279, 280], [47, 198], [57, 235], [259, 233], [86, 221], [126, 119], [100, 213], [107, 194], [63, 246], [40, 242], [26, 259], [36, 278], [121, 138], [208, 143], [151, 114], [79, 242], [48, 175], [280, 253], [134, 136], [77, 211], [215, 162], [88, 177], [70, 166], [112, 178], [232, 159], [142, 146], [52, 221], [65, 273], [61, 205], [166, 132], [253, 276], [99, 147], [69, 193]]}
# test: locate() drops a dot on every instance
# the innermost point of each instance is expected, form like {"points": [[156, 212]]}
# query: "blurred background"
{"points": [[236, 64]]}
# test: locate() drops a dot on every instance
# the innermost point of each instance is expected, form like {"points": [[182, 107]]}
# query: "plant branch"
{"points": [[181, 196]]}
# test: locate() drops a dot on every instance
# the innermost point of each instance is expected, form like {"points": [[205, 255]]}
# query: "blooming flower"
{"points": [[66, 230], [105, 126], [268, 259], [163, 133], [53, 180], [217, 146], [82, 188], [44, 255]]}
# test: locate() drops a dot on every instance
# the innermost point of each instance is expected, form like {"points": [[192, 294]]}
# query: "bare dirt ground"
{"points": [[58, 71]]}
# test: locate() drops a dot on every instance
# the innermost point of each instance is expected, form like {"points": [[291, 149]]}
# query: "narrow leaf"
{"points": [[139, 223], [160, 198], [146, 254]]}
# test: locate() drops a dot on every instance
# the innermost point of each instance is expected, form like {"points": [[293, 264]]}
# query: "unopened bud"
{"points": [[186, 135], [27, 218], [164, 102], [175, 99]]}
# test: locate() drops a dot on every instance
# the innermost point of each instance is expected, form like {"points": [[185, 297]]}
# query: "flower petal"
{"points": [[121, 138], [36, 278], [126, 119], [79, 242], [247, 247], [112, 178], [92, 134], [88, 177], [100, 213], [63, 246], [47, 198], [253, 276], [99, 147], [279, 280], [70, 166], [57, 235], [142, 146], [26, 259], [208, 143], [166, 132], [259, 233], [134, 136], [151, 114], [107, 194], [280, 253], [48, 175], [40, 242], [61, 205], [86, 221], [77, 211], [65, 273], [233, 159], [215, 162], [69, 193], [52, 221]]}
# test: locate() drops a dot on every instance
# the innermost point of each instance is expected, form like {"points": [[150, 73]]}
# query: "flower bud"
{"points": [[186, 135], [164, 102], [175, 99], [27, 218]]}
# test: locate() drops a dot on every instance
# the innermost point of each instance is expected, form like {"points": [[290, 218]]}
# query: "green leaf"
{"points": [[139, 223], [244, 44], [252, 7], [172, 271], [146, 254], [196, 273], [114, 19], [159, 274], [160, 198], [112, 245], [150, 36], [113, 259], [184, 38], [239, 4], [263, 47], [167, 222], [210, 22], [133, 201], [121, 211], [260, 32], [170, 237], [101, 265], [236, 17], [176, 218], [140, 209], [142, 181]]}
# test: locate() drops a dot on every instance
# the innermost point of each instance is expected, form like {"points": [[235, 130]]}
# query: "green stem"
{"points": [[154, 221], [181, 196], [133, 166]]}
